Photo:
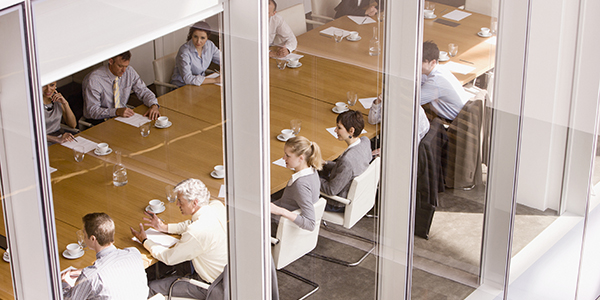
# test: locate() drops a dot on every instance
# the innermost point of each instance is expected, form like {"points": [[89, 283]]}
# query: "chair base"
{"points": [[351, 235], [305, 280]]}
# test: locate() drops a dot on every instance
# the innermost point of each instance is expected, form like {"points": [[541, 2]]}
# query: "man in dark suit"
{"points": [[356, 8]]}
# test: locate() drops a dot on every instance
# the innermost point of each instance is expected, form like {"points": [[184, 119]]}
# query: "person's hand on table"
{"points": [[70, 277], [152, 220], [212, 80], [152, 113], [279, 52], [371, 11], [140, 235], [125, 112], [66, 137]]}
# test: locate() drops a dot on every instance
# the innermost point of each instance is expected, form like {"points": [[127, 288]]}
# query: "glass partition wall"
{"points": [[483, 238]]}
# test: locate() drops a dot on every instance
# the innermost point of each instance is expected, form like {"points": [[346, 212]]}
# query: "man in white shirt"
{"points": [[439, 87], [280, 34], [203, 240]]}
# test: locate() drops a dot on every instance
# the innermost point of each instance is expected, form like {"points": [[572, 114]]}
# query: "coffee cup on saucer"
{"points": [[156, 205], [428, 13], [293, 62], [484, 31], [287, 133], [444, 55], [102, 148], [341, 106], [74, 249], [354, 35], [219, 170], [162, 121]]}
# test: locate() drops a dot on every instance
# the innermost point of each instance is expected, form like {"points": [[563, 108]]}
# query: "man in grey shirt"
{"points": [[106, 91], [116, 274]]}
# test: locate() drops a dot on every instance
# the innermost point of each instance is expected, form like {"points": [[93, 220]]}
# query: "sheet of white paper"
{"points": [[136, 120], [213, 75], [332, 131], [491, 41], [331, 30], [67, 269], [159, 238], [81, 141], [293, 56], [459, 68], [456, 15], [280, 162], [222, 191], [52, 170], [361, 20], [367, 102]]}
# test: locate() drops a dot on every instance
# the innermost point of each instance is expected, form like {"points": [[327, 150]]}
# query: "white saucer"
{"points": [[156, 212], [334, 109], [163, 126], [102, 154], [283, 139], [354, 40], [447, 58], [429, 18], [296, 66], [214, 175], [68, 256], [484, 35], [6, 257]]}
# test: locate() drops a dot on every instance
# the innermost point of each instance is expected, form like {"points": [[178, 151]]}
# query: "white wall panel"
{"points": [[73, 35]]}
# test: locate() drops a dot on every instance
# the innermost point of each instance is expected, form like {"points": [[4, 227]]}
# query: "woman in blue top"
{"points": [[194, 57]]}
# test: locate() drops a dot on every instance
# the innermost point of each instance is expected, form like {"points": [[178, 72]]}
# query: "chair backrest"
{"points": [[163, 70], [294, 17], [362, 194], [295, 242], [324, 8]]}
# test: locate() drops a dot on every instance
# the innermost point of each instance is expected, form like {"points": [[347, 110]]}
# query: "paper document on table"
{"points": [[136, 120], [52, 170], [158, 237], [491, 41], [332, 131], [361, 20], [214, 75], [293, 56], [280, 162], [367, 102], [83, 142], [67, 269], [331, 30], [456, 15], [459, 68], [222, 191]]}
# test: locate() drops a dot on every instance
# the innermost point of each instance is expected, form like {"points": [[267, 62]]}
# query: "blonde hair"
{"points": [[310, 150]]}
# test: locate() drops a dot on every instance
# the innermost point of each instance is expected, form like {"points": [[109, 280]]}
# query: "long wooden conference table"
{"points": [[193, 145]]}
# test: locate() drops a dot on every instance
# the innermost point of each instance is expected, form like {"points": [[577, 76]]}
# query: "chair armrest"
{"points": [[69, 129], [274, 241], [84, 124], [313, 22], [165, 84], [326, 18], [337, 198], [197, 283]]}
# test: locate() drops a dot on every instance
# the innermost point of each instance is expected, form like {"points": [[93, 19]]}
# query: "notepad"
{"points": [[456, 15], [136, 120], [280, 162], [222, 191], [367, 102], [81, 141], [331, 30], [293, 56], [361, 20], [459, 68], [158, 237]]}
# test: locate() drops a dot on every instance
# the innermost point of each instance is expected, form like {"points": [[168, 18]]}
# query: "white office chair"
{"points": [[163, 70], [292, 242], [323, 10], [361, 199], [295, 18]]}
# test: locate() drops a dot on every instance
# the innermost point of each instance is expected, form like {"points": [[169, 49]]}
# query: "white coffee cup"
{"points": [[74, 249], [293, 62], [353, 35], [102, 148], [220, 170], [156, 205], [341, 106], [485, 31], [287, 133], [443, 54], [428, 13], [162, 121]]}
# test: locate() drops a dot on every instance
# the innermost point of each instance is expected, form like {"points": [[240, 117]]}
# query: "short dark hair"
{"points": [[201, 26], [101, 226], [274, 3], [126, 56], [430, 51], [352, 119]]}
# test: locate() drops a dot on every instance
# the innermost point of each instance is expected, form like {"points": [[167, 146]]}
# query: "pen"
{"points": [[466, 61], [363, 21], [441, 12], [75, 140]]}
